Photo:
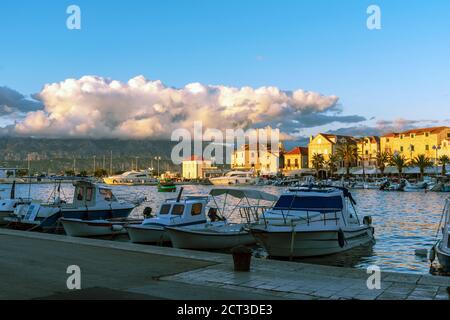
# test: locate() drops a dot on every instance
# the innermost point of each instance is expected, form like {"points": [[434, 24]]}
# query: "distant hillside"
{"points": [[59, 154]]}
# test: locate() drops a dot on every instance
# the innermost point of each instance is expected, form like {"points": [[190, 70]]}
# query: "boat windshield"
{"points": [[165, 209], [310, 203]]}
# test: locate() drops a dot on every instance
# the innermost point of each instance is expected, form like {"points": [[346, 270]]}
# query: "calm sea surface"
{"points": [[404, 222]]}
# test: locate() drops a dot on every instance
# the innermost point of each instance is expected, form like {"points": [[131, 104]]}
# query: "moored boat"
{"points": [[91, 201], [95, 228], [315, 221], [235, 178], [178, 212], [8, 204], [442, 247], [167, 186], [220, 233]]}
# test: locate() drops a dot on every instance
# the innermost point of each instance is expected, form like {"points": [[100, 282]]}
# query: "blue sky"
{"points": [[400, 71]]}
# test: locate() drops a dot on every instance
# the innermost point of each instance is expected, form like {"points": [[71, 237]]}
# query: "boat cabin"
{"points": [[90, 194], [187, 210], [327, 205]]}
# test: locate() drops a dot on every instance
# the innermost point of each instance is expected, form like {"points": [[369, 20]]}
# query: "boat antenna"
{"points": [[179, 194], [13, 190]]}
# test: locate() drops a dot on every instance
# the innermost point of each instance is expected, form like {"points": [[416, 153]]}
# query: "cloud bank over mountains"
{"points": [[96, 107]]}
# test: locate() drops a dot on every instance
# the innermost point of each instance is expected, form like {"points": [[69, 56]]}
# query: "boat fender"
{"points": [[432, 255], [341, 238], [116, 227]]}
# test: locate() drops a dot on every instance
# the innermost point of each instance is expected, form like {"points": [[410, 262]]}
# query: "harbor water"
{"points": [[403, 221]]}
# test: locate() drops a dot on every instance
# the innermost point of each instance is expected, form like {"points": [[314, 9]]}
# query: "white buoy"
{"points": [[116, 227]]}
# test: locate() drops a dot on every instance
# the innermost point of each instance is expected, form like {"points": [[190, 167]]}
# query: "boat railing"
{"points": [[326, 215]]}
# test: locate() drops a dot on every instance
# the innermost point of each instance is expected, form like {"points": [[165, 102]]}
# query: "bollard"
{"points": [[242, 257]]}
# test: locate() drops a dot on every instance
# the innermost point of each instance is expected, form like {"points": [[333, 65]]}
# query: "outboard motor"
{"points": [[148, 212]]}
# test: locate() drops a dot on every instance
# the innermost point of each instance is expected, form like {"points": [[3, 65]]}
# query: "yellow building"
{"points": [[433, 142], [326, 144], [296, 159], [368, 148]]}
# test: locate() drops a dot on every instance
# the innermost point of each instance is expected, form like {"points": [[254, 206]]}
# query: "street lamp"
{"points": [[436, 148], [158, 159]]}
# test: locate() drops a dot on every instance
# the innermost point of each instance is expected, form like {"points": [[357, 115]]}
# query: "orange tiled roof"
{"points": [[298, 150]]}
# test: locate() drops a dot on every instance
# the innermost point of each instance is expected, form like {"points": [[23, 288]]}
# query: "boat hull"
{"points": [[147, 234], [95, 228], [302, 244], [184, 238], [444, 258], [3, 215]]}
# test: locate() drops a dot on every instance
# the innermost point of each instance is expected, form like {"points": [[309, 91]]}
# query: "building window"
{"points": [[412, 135], [427, 134], [401, 149], [411, 148], [296, 163], [427, 147], [289, 163], [387, 140], [401, 136]]}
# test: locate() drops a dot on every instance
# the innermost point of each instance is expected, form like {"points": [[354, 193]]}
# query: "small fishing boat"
{"points": [[442, 247], [91, 201], [8, 203], [167, 186], [96, 228], [219, 233], [178, 212], [314, 221]]}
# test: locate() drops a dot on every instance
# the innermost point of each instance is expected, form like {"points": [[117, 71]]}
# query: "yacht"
{"points": [[442, 247], [91, 201], [235, 178], [132, 178], [314, 221]]}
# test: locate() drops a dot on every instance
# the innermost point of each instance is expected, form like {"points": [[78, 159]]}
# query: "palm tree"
{"points": [[422, 162], [317, 162], [382, 159], [347, 153], [332, 163], [399, 161], [444, 160]]}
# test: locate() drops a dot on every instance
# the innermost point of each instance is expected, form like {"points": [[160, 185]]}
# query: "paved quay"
{"points": [[33, 266]]}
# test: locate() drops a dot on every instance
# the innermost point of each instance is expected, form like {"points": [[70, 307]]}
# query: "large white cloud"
{"points": [[101, 108]]}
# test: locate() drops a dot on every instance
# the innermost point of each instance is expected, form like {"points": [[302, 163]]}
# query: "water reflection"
{"points": [[404, 222]]}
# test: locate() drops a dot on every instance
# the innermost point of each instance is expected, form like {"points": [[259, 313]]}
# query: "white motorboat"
{"points": [[173, 212], [442, 247], [235, 178], [216, 235], [315, 221], [96, 228], [142, 177], [91, 201], [8, 203]]}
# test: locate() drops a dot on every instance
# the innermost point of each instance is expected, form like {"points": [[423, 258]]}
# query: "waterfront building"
{"points": [[433, 142], [196, 167], [326, 145], [262, 159], [368, 148], [296, 159]]}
